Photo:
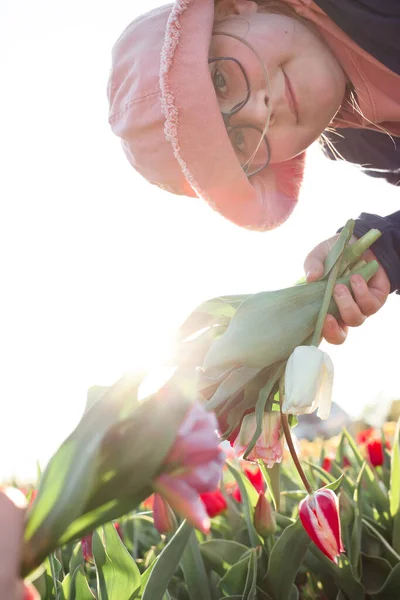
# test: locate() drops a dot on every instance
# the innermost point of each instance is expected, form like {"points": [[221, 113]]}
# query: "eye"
{"points": [[220, 84]]}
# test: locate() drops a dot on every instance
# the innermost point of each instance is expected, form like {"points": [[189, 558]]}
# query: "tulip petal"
{"points": [[184, 500], [324, 396]]}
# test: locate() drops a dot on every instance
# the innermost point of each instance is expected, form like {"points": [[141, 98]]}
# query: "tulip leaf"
{"points": [[390, 554], [235, 381], [374, 573], [249, 500], [291, 548], [251, 581], [193, 569], [337, 250], [377, 494], [217, 310], [272, 479], [354, 550], [117, 573], [268, 326], [66, 483], [236, 577], [221, 554], [79, 589], [390, 588], [166, 564], [395, 488]]}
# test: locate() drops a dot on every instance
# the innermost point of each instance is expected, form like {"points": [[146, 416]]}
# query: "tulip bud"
{"points": [[308, 382], [163, 516], [264, 520], [319, 515]]}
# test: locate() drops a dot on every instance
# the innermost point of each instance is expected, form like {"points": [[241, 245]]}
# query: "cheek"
{"points": [[287, 142]]}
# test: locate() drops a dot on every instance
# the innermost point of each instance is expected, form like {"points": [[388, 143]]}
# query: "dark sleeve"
{"points": [[377, 153], [387, 248], [373, 24]]}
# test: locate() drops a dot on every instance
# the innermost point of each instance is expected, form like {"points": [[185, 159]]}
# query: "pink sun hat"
{"points": [[164, 108]]}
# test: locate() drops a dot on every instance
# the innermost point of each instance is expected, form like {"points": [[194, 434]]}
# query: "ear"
{"points": [[227, 8]]}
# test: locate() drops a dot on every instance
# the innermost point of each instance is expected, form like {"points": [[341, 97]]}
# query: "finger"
{"points": [[12, 508], [369, 300], [314, 262], [349, 311], [333, 331]]}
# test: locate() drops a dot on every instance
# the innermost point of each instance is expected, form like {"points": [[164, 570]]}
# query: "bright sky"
{"points": [[98, 267]]}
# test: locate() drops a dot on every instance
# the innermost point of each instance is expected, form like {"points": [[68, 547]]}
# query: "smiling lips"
{"points": [[291, 98]]}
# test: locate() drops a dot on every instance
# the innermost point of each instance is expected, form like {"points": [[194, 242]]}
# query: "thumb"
{"points": [[314, 263]]}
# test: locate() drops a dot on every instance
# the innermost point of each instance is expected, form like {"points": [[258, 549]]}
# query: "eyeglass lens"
{"points": [[232, 89]]}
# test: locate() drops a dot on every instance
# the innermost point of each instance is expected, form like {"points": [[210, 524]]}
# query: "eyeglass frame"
{"points": [[226, 116]]}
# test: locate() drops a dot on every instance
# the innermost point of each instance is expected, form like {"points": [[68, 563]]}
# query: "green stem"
{"points": [[289, 441], [325, 303]]}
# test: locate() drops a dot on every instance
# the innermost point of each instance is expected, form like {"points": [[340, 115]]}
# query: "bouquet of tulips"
{"points": [[245, 366]]}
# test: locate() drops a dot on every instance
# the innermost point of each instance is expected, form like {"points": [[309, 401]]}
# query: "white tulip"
{"points": [[308, 382]]}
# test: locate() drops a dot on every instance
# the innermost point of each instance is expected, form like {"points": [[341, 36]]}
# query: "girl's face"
{"points": [[295, 80]]}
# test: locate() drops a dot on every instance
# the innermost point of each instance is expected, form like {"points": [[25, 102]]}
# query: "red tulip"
{"points": [[255, 477], [375, 452], [319, 514], [214, 502], [87, 551], [327, 463]]}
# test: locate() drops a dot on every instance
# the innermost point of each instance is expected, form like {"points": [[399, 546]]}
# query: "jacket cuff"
{"points": [[387, 247]]}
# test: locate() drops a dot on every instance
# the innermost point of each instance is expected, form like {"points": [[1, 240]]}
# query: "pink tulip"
{"points": [[192, 467], [269, 446], [319, 514]]}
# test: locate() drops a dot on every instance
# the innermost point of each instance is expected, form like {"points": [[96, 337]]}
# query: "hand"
{"points": [[368, 298], [12, 509]]}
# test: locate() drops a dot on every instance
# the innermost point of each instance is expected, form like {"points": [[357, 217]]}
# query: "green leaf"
{"points": [[80, 589], [377, 494], [220, 555], [390, 589], [267, 326], [355, 543], [234, 382], [272, 478], [285, 560], [166, 564], [395, 488], [338, 248], [249, 500], [193, 570], [66, 483], [117, 573], [374, 573], [235, 579], [251, 581]]}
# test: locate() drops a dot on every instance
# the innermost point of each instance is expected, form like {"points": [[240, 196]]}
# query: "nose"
{"points": [[257, 111]]}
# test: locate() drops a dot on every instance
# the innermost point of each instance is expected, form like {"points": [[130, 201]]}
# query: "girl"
{"points": [[222, 101]]}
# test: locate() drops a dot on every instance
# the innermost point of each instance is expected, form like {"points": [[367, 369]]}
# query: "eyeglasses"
{"points": [[232, 88]]}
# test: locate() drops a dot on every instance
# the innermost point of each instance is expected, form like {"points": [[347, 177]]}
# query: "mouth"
{"points": [[291, 98]]}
